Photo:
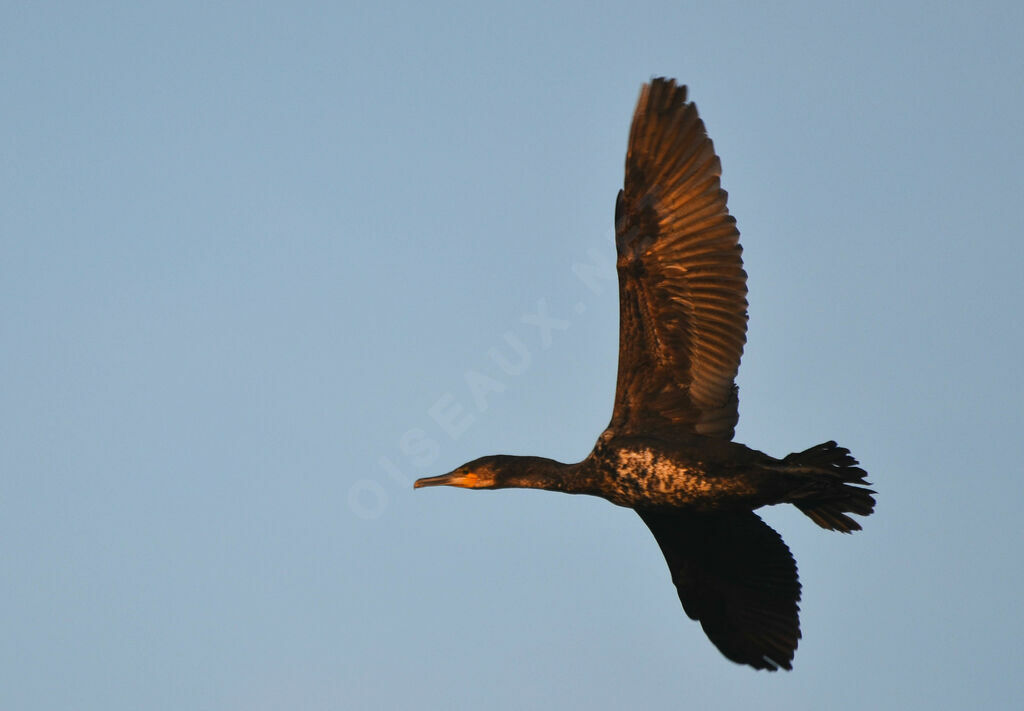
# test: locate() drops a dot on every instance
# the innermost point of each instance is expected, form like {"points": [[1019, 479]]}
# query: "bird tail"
{"points": [[836, 486]]}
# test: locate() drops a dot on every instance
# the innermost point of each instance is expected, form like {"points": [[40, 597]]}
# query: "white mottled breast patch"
{"points": [[646, 476]]}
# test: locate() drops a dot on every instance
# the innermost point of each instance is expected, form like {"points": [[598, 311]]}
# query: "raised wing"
{"points": [[682, 288], [737, 577]]}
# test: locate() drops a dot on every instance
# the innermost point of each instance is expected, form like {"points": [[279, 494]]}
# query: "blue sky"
{"points": [[254, 263]]}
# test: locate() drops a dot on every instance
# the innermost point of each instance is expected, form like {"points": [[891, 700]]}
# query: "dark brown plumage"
{"points": [[667, 452]]}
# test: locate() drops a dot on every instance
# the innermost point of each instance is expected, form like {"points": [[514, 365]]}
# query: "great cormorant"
{"points": [[667, 452]]}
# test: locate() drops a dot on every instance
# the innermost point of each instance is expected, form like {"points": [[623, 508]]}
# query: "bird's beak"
{"points": [[443, 480], [466, 481]]}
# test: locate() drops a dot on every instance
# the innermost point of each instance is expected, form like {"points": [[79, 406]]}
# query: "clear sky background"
{"points": [[254, 258]]}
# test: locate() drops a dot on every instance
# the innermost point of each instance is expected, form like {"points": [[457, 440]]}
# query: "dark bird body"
{"points": [[667, 452]]}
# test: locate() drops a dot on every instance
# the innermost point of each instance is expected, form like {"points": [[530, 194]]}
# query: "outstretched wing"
{"points": [[682, 288], [735, 574]]}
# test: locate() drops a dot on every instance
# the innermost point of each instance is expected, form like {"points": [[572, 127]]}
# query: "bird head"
{"points": [[482, 473], [504, 471]]}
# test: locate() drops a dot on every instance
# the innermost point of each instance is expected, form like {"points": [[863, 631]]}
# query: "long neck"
{"points": [[540, 473]]}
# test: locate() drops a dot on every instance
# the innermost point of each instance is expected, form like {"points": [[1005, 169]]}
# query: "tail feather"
{"points": [[835, 490]]}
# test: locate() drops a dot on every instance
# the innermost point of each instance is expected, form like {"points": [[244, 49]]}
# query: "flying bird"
{"points": [[668, 451]]}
